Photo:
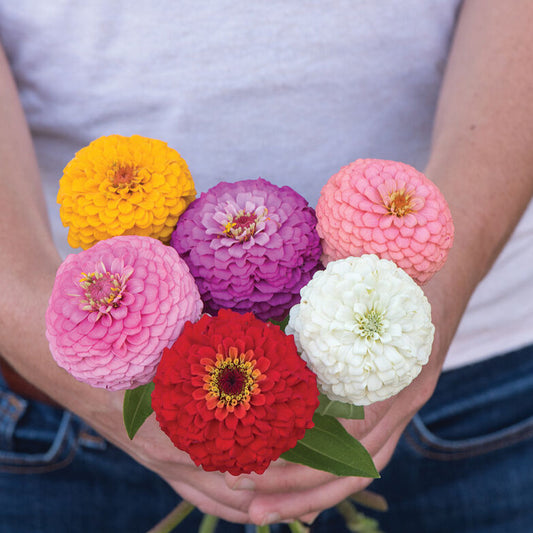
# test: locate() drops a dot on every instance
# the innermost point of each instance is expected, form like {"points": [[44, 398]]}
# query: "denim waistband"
{"points": [[477, 409]]}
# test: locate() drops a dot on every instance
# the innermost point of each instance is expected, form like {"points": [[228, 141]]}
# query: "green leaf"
{"points": [[281, 323], [329, 447], [137, 407], [339, 409]]}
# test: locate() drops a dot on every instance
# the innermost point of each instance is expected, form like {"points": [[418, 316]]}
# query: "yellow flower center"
{"points": [[399, 203], [232, 379], [370, 324]]}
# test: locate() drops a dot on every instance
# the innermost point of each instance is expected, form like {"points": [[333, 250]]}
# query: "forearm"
{"points": [[29, 259], [482, 161], [481, 157], [28, 266]]}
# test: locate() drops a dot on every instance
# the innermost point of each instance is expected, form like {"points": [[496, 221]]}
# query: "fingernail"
{"points": [[244, 484], [271, 518]]}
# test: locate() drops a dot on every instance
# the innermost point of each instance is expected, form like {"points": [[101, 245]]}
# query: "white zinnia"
{"points": [[364, 327]]}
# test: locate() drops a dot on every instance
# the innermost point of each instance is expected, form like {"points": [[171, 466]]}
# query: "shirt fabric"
{"points": [[285, 90]]}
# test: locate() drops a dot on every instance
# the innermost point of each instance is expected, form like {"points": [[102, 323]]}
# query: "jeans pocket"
{"points": [[475, 414], [425, 442], [34, 437]]}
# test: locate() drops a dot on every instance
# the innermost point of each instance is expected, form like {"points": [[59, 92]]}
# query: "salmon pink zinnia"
{"points": [[387, 208]]}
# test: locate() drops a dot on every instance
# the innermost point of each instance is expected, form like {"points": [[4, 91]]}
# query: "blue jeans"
{"points": [[463, 465], [58, 476]]}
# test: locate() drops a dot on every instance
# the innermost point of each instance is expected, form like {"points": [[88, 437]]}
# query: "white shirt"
{"points": [[282, 89]]}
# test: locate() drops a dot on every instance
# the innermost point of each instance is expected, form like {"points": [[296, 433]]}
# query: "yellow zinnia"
{"points": [[124, 186]]}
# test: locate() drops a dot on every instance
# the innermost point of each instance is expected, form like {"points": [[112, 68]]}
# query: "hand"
{"points": [[154, 450], [290, 491]]}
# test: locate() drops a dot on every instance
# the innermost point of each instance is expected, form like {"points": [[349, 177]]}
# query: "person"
{"points": [[288, 91]]}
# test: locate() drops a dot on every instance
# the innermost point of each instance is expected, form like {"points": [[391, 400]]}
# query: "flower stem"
{"points": [[357, 522], [209, 524], [371, 500], [174, 518], [262, 529]]}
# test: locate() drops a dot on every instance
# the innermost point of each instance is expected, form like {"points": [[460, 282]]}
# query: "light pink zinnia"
{"points": [[115, 306], [387, 208]]}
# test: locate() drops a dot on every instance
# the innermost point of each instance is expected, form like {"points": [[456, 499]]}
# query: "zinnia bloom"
{"points": [[115, 307], [123, 186], [389, 209], [233, 393], [364, 327], [250, 245]]}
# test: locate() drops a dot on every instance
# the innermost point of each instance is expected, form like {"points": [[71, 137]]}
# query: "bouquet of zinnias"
{"points": [[230, 386]]}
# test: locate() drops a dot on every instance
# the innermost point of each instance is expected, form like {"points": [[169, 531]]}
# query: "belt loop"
{"points": [[12, 408]]}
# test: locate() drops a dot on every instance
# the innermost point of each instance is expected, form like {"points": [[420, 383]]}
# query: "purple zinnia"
{"points": [[251, 246]]}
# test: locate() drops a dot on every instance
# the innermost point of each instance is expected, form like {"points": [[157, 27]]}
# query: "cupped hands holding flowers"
{"points": [[229, 387]]}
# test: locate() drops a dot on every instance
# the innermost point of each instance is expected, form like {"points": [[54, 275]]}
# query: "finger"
{"points": [[308, 519], [374, 414], [177, 468], [284, 477], [209, 505], [213, 486], [271, 508], [280, 477], [382, 440]]}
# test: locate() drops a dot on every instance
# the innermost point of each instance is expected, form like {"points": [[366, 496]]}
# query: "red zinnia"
{"points": [[234, 393]]}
